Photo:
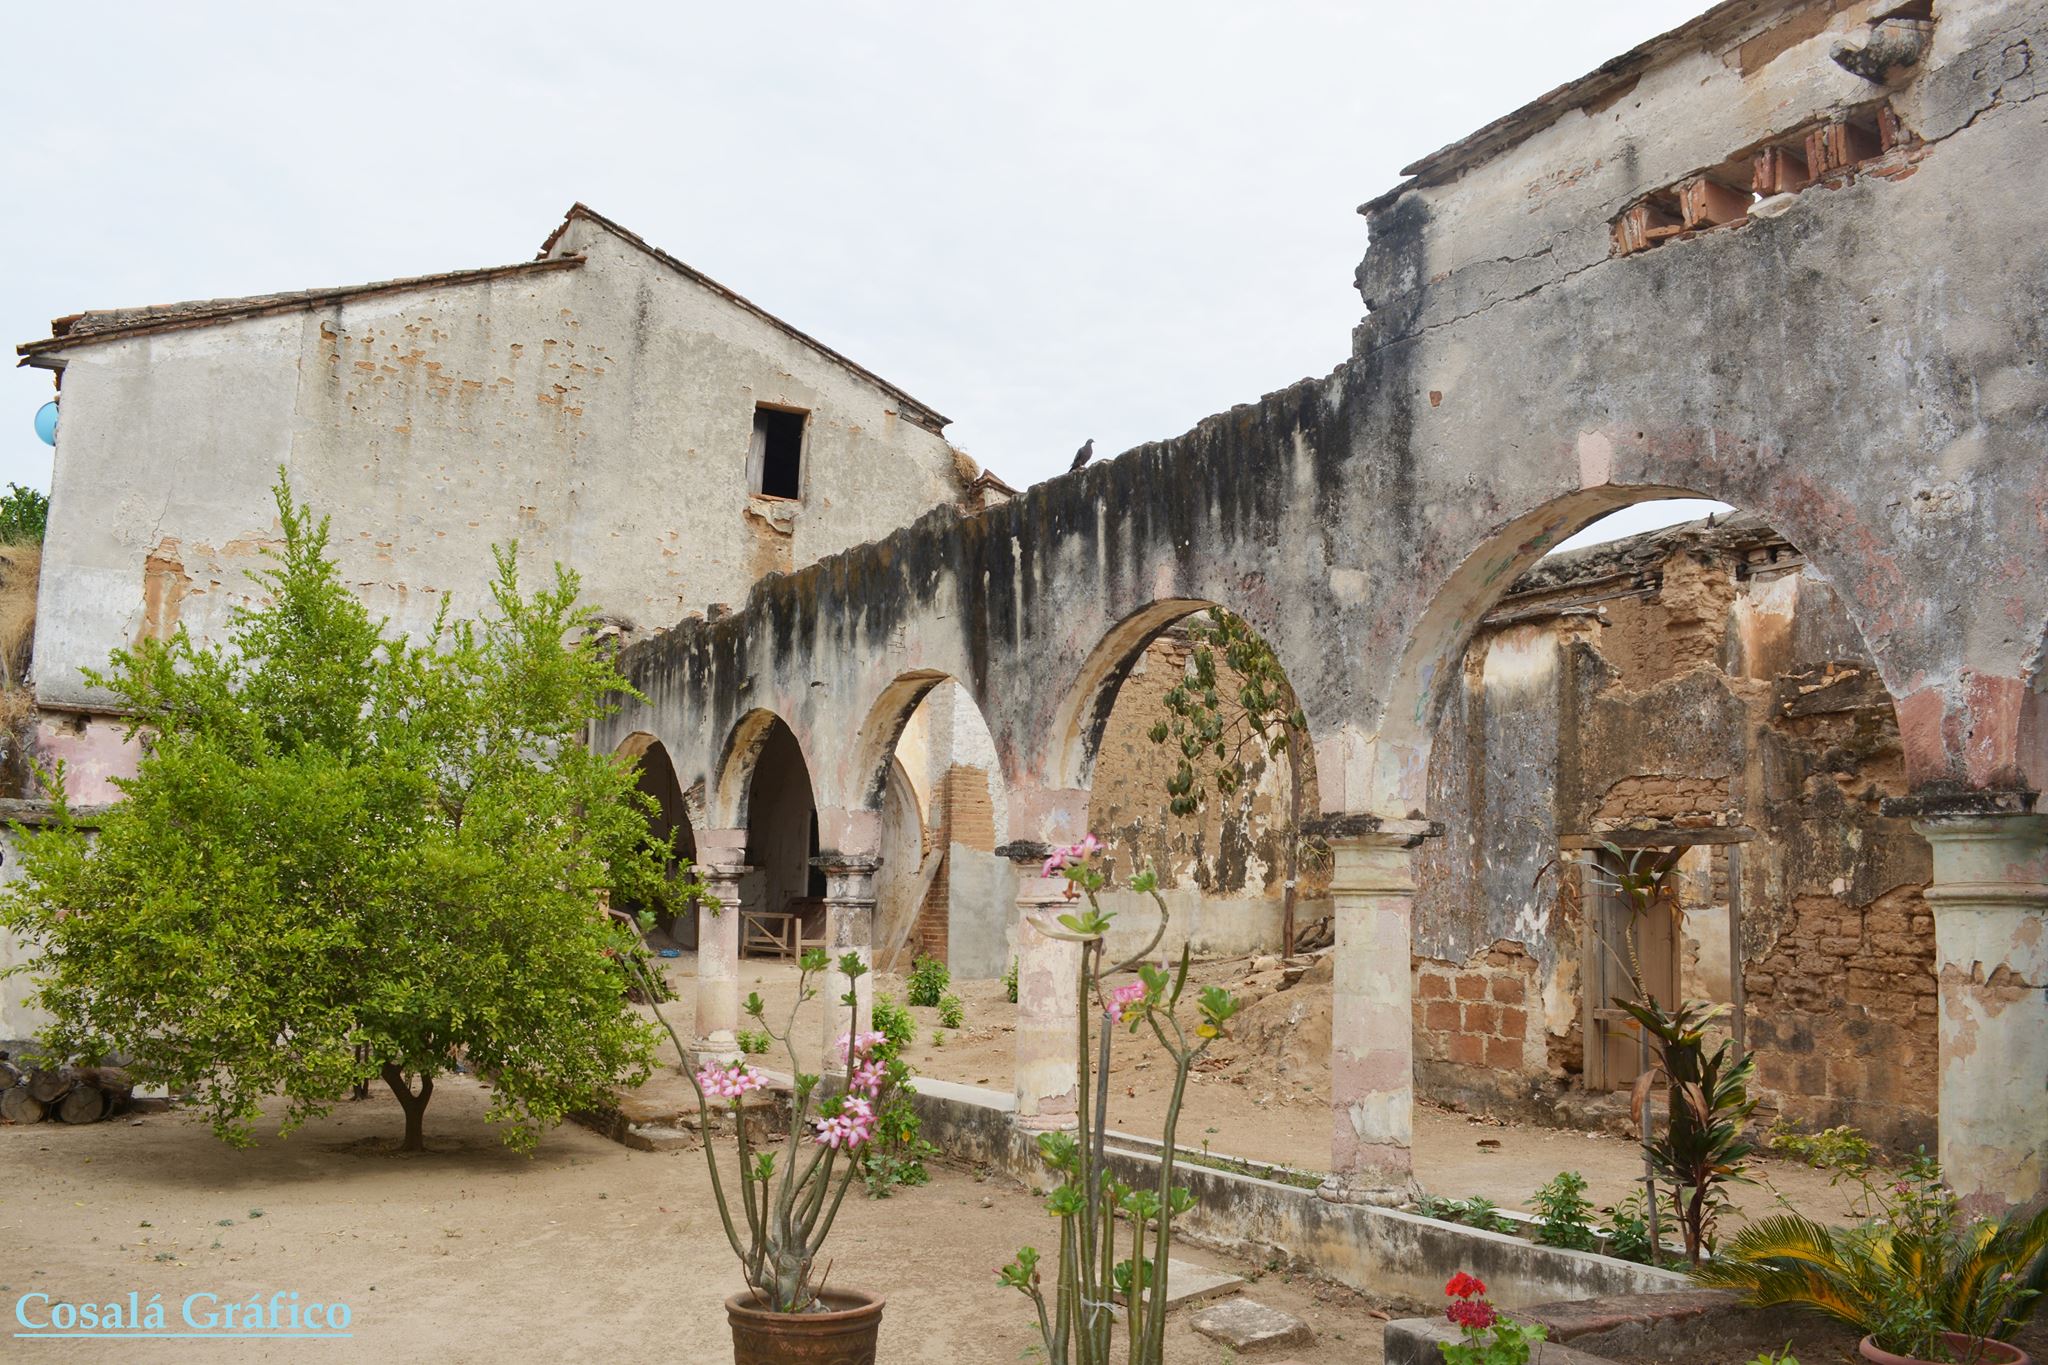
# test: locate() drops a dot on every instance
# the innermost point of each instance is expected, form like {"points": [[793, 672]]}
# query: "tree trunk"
{"points": [[1293, 840], [84, 1104], [49, 1086], [414, 1105], [18, 1106]]}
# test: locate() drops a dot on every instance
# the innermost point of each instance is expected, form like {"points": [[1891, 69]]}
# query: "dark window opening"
{"points": [[775, 461]]}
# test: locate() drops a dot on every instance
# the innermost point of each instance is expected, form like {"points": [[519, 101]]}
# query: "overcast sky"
{"points": [[1050, 221]]}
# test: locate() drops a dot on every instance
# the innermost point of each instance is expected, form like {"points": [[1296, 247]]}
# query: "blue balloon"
{"points": [[46, 422]]}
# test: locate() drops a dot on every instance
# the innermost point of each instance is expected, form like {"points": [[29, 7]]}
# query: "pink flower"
{"points": [[850, 1127], [729, 1082], [1073, 855], [1123, 997], [866, 1077], [859, 1046]]}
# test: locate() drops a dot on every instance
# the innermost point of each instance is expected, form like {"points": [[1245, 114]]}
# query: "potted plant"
{"points": [[1924, 1283], [788, 1200]]}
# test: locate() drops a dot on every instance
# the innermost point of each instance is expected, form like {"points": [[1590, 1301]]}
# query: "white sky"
{"points": [[1050, 221]]}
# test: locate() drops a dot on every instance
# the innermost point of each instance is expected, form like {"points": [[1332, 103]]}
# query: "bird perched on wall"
{"points": [[1083, 455]]}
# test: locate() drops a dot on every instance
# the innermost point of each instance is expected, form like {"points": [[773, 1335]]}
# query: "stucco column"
{"points": [[849, 928], [1990, 903], [1372, 1052], [1045, 1077], [718, 962]]}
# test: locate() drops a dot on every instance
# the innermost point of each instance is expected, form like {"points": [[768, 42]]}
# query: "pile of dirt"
{"points": [[1283, 1030]]}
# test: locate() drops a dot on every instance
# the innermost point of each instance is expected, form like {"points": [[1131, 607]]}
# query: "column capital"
{"points": [[1366, 830], [847, 864], [1937, 804], [724, 871], [1024, 851]]}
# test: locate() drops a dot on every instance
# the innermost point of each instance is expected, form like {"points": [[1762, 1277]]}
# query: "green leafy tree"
{"points": [[346, 855], [1224, 738], [24, 512]]}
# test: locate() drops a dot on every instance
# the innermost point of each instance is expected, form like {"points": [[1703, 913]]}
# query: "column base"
{"points": [[1380, 1189], [1035, 1124], [719, 1047]]}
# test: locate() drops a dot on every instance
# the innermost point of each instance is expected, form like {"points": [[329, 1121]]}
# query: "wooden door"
{"points": [[1616, 942]]}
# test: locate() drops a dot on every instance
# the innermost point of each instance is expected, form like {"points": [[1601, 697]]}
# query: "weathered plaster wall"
{"points": [[1686, 681], [1862, 370], [18, 1019], [598, 414]]}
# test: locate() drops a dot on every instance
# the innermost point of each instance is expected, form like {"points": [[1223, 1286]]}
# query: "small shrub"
{"points": [[1784, 1357], [1841, 1149], [938, 1037], [1476, 1212], [898, 1152], [928, 981], [952, 1012], [753, 1042], [894, 1023], [24, 512], [1566, 1213], [1010, 982], [1628, 1230]]}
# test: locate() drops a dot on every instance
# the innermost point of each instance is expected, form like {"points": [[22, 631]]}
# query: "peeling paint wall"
{"points": [[599, 415], [1693, 682]]}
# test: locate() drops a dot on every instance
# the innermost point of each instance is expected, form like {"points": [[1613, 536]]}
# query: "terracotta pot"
{"points": [[843, 1335], [1960, 1346]]}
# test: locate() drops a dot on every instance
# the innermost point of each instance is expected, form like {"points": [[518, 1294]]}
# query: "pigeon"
{"points": [[1083, 455]]}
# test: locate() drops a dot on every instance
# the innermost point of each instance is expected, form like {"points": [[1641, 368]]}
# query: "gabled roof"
{"points": [[114, 324], [920, 413]]}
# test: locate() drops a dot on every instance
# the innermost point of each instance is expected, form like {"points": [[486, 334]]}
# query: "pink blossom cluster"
{"points": [[851, 1047], [1073, 855], [1123, 997], [866, 1077], [729, 1082], [851, 1126]]}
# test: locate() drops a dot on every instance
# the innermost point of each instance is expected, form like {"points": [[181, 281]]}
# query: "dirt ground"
{"points": [[474, 1253], [1267, 1096]]}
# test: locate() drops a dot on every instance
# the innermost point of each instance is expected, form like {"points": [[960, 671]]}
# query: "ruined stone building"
{"points": [[1696, 695], [605, 405], [1779, 257]]}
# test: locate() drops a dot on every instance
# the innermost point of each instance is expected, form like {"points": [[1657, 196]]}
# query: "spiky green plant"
{"points": [[1905, 1278]]}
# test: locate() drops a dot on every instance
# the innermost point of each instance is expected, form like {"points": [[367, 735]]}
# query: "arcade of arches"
{"points": [[1849, 743]]}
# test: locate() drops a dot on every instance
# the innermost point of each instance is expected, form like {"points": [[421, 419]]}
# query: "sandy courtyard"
{"points": [[1271, 1108], [473, 1253]]}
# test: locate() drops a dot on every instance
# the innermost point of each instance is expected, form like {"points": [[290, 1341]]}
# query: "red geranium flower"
{"points": [[1474, 1315], [1463, 1286]]}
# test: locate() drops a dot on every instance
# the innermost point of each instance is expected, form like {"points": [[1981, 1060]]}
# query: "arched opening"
{"points": [[941, 890], [1698, 697], [670, 824], [1233, 857], [785, 902]]}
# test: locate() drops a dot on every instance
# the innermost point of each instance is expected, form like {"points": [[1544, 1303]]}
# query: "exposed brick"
{"points": [[1482, 1018], [1507, 990], [1514, 1023], [1433, 987], [1468, 1050], [1471, 986], [1441, 1015], [1503, 1054]]}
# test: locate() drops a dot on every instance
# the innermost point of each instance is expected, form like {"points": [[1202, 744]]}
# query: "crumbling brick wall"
{"points": [[1699, 687]]}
